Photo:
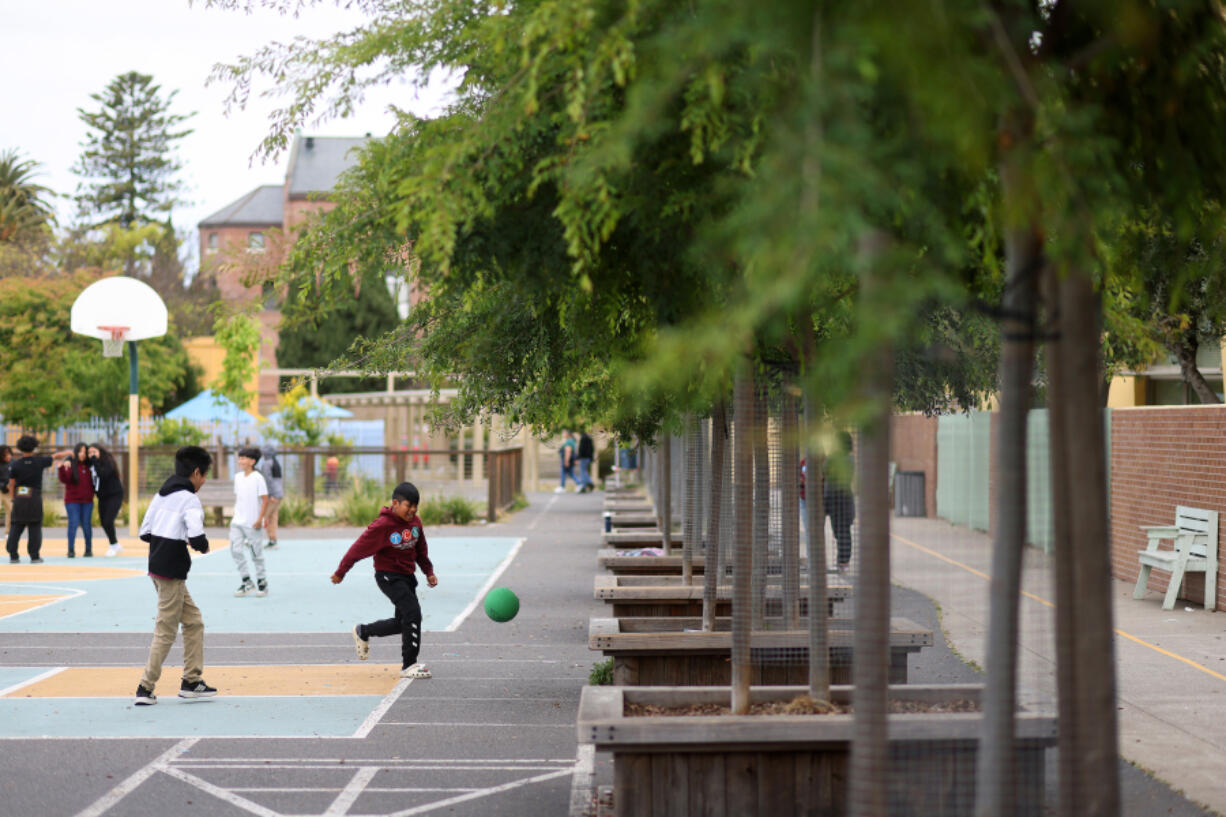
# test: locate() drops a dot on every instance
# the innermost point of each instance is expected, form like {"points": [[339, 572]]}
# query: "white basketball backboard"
{"points": [[119, 302]]}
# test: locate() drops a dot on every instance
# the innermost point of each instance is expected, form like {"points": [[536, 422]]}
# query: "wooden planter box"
{"points": [[609, 559], [793, 765], [672, 651], [667, 596], [633, 505], [637, 538], [636, 519]]}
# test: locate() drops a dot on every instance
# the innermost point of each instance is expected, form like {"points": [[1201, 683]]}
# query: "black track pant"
{"points": [[401, 588], [108, 509], [35, 543]]}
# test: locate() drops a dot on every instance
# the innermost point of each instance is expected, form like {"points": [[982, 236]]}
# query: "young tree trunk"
{"points": [[789, 468], [761, 503], [815, 525], [743, 550], [689, 520], [870, 755], [1083, 613], [666, 493], [719, 440], [995, 784]]}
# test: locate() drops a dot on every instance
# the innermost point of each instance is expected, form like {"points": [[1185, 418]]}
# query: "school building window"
{"points": [[213, 242], [255, 242]]}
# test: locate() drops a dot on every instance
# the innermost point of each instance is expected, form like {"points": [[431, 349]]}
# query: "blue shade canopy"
{"points": [[318, 408], [210, 407]]}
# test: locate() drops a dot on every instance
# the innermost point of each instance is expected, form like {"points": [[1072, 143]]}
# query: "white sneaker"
{"points": [[244, 589], [559, 490], [114, 550], [362, 644], [415, 671]]}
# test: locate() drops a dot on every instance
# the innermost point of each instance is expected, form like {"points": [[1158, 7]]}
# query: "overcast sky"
{"points": [[55, 53]]}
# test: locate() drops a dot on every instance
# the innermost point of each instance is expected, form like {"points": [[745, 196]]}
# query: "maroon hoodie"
{"points": [[398, 546], [83, 489]]}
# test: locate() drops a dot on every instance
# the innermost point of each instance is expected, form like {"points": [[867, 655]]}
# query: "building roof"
{"points": [[317, 161], [261, 207]]}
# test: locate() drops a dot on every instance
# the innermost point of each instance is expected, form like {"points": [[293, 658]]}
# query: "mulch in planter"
{"points": [[803, 705]]}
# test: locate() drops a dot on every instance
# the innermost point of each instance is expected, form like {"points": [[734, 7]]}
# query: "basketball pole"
{"points": [[133, 440]]}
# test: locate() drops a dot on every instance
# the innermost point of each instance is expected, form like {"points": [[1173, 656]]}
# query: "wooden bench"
{"points": [[667, 596], [1195, 550], [216, 496], [637, 538]]}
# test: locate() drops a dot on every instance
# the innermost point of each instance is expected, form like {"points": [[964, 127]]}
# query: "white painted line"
{"points": [[349, 762], [381, 710], [489, 766], [544, 511], [463, 798], [104, 803], [68, 593], [221, 794], [474, 698], [372, 789], [581, 785], [436, 723], [40, 677], [352, 791], [485, 588]]}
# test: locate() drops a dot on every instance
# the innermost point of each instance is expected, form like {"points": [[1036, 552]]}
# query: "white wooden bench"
{"points": [[216, 496], [1195, 550]]}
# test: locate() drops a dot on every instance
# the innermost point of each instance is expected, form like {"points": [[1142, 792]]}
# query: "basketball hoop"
{"points": [[113, 346]]}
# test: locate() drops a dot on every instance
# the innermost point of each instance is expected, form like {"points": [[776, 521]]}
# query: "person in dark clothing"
{"points": [[6, 498], [585, 454], [26, 488], [838, 499], [174, 522], [398, 543], [109, 489], [78, 482]]}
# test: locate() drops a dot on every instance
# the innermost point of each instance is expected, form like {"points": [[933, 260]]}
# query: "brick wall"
{"points": [[913, 447], [1162, 457]]}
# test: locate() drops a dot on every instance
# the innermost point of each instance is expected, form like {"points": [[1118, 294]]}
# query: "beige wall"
{"points": [[205, 352]]}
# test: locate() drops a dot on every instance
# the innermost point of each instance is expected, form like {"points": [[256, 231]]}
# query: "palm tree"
{"points": [[23, 206]]}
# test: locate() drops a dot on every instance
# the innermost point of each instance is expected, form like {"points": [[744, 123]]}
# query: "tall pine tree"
{"points": [[127, 160]]}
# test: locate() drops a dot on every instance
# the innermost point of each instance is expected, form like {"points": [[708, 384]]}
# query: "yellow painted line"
{"points": [[231, 681], [1140, 641], [13, 604], [25, 573], [54, 546]]}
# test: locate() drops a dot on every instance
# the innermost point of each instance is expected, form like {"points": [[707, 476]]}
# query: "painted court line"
{"points": [[1129, 636], [379, 711], [352, 791], [581, 784], [463, 798], [440, 723], [63, 594], [221, 794], [36, 679], [104, 803], [485, 588]]}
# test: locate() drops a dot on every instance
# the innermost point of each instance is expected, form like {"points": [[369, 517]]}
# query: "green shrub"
{"points": [[452, 510], [51, 514], [601, 674], [518, 503], [175, 432], [297, 511], [360, 504]]}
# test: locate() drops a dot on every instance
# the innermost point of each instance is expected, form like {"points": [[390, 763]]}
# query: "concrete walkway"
{"points": [[1170, 665]]}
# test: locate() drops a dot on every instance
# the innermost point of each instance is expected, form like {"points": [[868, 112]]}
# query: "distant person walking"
{"points": [[250, 504], [270, 467], [78, 481], [567, 455], [6, 498], [837, 497], [26, 488], [108, 487], [585, 453]]}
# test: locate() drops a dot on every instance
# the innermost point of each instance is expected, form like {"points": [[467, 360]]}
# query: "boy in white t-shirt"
{"points": [[250, 504]]}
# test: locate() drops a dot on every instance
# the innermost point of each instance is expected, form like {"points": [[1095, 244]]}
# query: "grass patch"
{"points": [[452, 510], [601, 674], [360, 504], [518, 503], [296, 511]]}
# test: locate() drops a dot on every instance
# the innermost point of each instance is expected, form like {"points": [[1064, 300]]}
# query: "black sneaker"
{"points": [[37, 560], [261, 588], [14, 560], [197, 689], [71, 555], [272, 545], [244, 589], [145, 697]]}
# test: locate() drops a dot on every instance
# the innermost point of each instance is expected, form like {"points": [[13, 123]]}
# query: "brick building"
{"points": [[255, 230]]}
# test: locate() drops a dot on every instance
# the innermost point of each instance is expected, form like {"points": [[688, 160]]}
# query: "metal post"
{"points": [[133, 440]]}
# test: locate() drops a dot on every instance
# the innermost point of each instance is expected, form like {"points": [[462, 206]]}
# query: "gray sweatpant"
{"points": [[242, 538]]}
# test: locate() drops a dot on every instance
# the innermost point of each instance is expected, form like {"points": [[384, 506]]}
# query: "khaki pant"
{"points": [[175, 607]]}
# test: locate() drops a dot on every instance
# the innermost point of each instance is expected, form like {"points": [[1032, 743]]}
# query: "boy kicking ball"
{"points": [[398, 543]]}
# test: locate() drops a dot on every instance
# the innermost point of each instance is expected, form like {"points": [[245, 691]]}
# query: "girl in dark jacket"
{"points": [[6, 456], [78, 482], [109, 489]]}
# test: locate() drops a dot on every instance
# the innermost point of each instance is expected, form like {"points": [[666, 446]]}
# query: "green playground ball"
{"points": [[501, 604]]}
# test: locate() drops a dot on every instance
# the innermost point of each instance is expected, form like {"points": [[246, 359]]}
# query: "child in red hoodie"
{"points": [[398, 543]]}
